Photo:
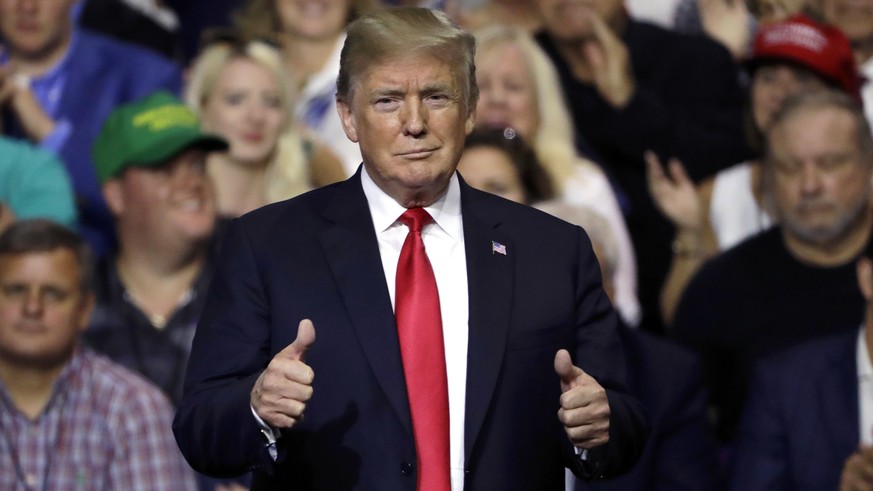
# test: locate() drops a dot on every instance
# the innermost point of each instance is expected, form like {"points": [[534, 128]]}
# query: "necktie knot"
{"points": [[415, 219]]}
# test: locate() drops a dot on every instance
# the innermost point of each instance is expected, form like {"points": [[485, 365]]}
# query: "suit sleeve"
{"points": [[214, 426], [599, 352]]}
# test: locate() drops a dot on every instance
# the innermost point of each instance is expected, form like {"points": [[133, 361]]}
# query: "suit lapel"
{"points": [[490, 286], [839, 398], [353, 255]]}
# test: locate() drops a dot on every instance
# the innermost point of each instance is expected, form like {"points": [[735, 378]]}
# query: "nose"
{"points": [[810, 179], [414, 116], [33, 304], [255, 112]]}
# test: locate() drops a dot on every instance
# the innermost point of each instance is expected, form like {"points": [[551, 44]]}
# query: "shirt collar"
{"points": [[446, 211], [865, 367]]}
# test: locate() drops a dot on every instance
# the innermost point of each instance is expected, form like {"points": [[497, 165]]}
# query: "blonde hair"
{"points": [[554, 138], [288, 170]]}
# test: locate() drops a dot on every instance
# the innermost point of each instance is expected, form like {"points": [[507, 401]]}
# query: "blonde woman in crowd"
{"points": [[311, 38], [240, 91], [519, 89]]}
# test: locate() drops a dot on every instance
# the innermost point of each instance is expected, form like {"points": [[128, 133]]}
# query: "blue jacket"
{"points": [[102, 73], [800, 423]]}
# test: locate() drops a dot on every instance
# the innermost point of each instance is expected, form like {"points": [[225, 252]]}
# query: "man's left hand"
{"points": [[584, 406]]}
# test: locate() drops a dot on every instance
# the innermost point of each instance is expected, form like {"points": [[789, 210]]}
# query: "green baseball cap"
{"points": [[148, 133]]}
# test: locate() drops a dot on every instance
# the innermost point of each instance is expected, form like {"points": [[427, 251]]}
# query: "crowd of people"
{"points": [[189, 195]]}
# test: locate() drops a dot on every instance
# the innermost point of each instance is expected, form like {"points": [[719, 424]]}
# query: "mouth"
{"points": [[418, 154], [30, 328], [253, 137], [312, 9], [191, 205]]}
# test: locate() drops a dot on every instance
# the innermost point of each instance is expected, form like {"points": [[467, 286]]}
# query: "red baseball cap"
{"points": [[821, 48]]}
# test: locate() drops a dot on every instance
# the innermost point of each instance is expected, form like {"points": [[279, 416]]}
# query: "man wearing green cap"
{"points": [[150, 157]]}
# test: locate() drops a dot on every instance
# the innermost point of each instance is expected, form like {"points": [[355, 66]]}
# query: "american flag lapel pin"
{"points": [[498, 248]]}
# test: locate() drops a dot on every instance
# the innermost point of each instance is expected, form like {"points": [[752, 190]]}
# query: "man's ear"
{"points": [[114, 196], [347, 119], [471, 120], [864, 270]]}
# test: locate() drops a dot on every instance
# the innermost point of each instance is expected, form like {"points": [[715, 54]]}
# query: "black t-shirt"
{"points": [[753, 300]]}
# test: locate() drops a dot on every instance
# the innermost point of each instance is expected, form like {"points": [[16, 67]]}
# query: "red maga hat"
{"points": [[821, 48]]}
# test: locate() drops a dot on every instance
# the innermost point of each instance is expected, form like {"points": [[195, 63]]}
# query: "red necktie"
{"points": [[420, 329]]}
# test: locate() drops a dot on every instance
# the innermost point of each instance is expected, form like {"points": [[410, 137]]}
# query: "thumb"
{"points": [[305, 338], [565, 369]]}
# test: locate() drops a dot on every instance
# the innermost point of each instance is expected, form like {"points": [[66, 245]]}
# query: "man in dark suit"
{"points": [[808, 420], [519, 295]]}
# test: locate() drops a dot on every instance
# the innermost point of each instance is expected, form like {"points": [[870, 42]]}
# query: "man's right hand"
{"points": [[858, 471], [280, 394]]}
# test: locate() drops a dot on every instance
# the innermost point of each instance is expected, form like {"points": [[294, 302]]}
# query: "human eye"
{"points": [[234, 98], [272, 101], [385, 103], [786, 168], [833, 162], [439, 99], [13, 290], [55, 294]]}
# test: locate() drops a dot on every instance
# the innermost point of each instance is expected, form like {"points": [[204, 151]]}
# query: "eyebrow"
{"points": [[426, 90]]}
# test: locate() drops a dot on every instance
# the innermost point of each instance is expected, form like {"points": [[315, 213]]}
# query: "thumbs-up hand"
{"points": [[281, 392], [584, 408]]}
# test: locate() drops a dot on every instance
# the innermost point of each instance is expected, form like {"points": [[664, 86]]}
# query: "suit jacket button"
{"points": [[406, 469]]}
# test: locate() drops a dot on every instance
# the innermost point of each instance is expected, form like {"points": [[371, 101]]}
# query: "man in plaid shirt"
{"points": [[71, 419]]}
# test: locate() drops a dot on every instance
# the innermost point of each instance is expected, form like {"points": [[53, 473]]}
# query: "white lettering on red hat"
{"points": [[797, 34]]}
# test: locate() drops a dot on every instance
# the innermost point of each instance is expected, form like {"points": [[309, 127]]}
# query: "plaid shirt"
{"points": [[104, 428]]}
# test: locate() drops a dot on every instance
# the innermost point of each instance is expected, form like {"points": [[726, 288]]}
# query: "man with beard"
{"points": [[797, 280]]}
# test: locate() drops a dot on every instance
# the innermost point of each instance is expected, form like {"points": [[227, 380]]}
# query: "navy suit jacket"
{"points": [[800, 423], [316, 257]]}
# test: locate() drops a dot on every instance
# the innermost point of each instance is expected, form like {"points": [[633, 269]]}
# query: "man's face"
{"points": [[853, 17], [170, 204], [43, 307], [821, 184], [35, 28], [569, 20], [410, 122]]}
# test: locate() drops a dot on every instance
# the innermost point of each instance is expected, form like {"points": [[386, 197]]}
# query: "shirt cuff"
{"points": [[270, 434]]}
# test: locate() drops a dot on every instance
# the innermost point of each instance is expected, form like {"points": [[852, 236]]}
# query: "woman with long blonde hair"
{"points": [[240, 90]]}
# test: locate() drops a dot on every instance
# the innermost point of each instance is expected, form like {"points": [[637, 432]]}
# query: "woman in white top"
{"points": [[519, 89]]}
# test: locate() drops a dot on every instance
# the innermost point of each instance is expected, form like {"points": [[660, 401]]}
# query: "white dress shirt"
{"points": [[444, 244], [865, 391]]}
